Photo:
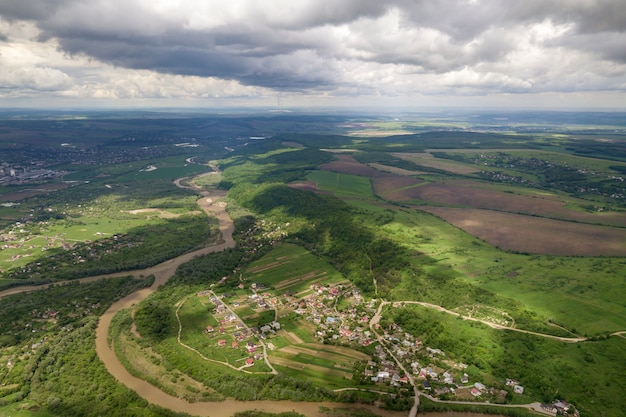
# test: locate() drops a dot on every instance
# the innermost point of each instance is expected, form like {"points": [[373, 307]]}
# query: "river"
{"points": [[213, 204]]}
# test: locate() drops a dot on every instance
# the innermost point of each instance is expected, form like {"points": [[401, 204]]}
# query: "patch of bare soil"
{"points": [[346, 164], [534, 234], [162, 213], [304, 185], [393, 187], [467, 193]]}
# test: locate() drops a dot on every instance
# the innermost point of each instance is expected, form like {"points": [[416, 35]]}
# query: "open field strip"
{"points": [[313, 369], [341, 350], [392, 191], [340, 361], [394, 170], [291, 337], [295, 350], [343, 184], [292, 281], [437, 163], [261, 268], [297, 285]]}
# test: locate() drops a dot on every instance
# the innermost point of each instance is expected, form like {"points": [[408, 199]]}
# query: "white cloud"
{"points": [[193, 50]]}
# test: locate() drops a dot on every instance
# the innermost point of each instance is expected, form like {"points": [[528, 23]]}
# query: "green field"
{"points": [[342, 185], [540, 364], [584, 294], [291, 268], [290, 238]]}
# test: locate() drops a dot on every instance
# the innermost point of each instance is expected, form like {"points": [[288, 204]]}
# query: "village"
{"points": [[398, 359]]}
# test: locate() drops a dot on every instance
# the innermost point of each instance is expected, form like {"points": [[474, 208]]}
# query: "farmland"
{"points": [[353, 256]]}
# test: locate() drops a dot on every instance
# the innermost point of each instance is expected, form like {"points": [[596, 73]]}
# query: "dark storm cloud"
{"points": [[31, 9], [138, 38], [311, 44]]}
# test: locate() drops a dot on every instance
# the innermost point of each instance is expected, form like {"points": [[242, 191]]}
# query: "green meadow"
{"points": [[342, 185], [543, 366], [289, 267]]}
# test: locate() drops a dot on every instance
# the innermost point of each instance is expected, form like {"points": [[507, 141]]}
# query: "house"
{"points": [[475, 392], [511, 382], [518, 389], [479, 386], [250, 361], [561, 405], [221, 342], [426, 385], [235, 345], [209, 329]]}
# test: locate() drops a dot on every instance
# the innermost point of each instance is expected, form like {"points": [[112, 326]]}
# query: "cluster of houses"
{"points": [[427, 366], [560, 407], [351, 325]]}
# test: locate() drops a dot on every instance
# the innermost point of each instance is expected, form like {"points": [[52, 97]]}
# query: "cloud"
{"points": [[315, 47]]}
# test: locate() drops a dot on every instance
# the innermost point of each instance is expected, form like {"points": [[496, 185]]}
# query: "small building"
{"points": [[518, 389], [250, 361], [221, 342]]}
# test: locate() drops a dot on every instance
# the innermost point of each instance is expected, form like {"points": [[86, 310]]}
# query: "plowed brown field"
{"points": [[535, 235], [466, 193]]}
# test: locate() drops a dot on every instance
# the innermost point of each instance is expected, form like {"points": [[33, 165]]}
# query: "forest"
{"points": [[381, 237]]}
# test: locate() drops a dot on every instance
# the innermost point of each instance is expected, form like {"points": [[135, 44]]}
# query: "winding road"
{"points": [[212, 202]]}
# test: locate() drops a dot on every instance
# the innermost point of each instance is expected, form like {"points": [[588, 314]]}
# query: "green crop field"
{"points": [[343, 185], [290, 268]]}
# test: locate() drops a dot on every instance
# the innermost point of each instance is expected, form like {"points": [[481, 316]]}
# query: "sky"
{"points": [[298, 53]]}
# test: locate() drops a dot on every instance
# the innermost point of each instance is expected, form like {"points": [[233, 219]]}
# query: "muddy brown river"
{"points": [[212, 203]]}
